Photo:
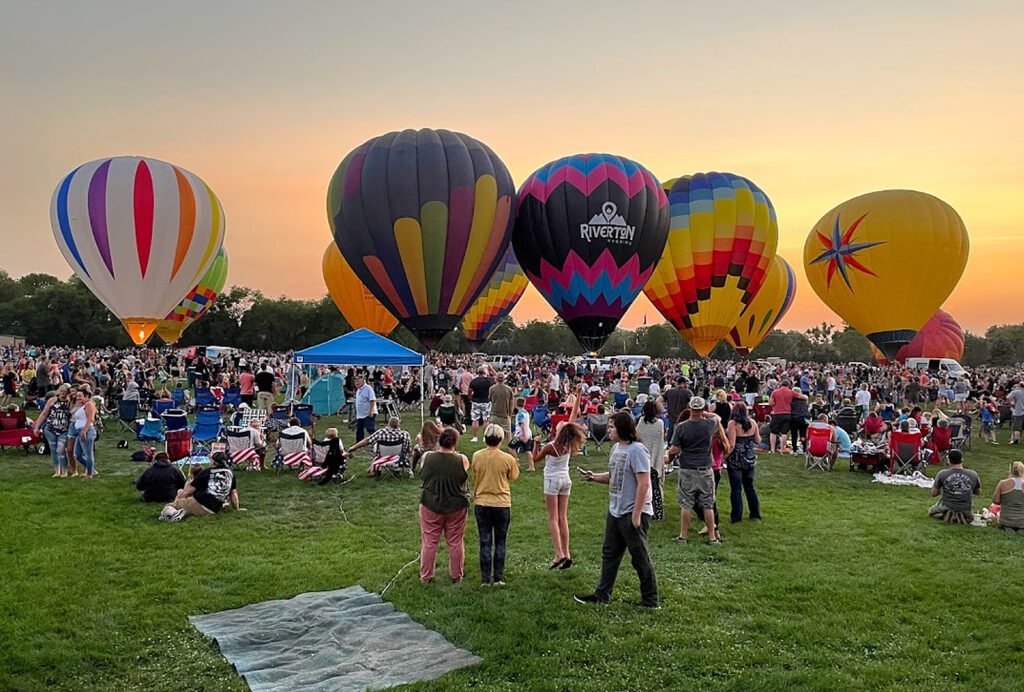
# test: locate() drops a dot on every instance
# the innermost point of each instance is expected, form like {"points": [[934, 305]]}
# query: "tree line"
{"points": [[46, 310]]}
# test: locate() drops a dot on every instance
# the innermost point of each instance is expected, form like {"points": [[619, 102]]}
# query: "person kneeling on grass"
{"points": [[956, 485], [630, 510], [206, 494]]}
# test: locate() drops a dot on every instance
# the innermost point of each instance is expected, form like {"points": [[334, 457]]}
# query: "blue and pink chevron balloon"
{"points": [[588, 232]]}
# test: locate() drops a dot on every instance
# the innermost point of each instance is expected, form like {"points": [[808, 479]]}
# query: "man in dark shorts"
{"points": [[782, 408], [677, 399]]}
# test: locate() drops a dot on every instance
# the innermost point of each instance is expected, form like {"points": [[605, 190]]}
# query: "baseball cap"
{"points": [[697, 403]]}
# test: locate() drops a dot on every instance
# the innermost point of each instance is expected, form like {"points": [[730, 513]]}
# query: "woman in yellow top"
{"points": [[492, 469]]}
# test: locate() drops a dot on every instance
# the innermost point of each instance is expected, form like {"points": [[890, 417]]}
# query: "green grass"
{"points": [[845, 584]]}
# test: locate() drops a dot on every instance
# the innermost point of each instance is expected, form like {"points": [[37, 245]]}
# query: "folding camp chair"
{"points": [[241, 449], [620, 400], [555, 421], [160, 406], [960, 437], [232, 397], [304, 412], [127, 414], [531, 402], [318, 455], [940, 442], [541, 418], [150, 429], [178, 397], [175, 419], [204, 397], [293, 451], [254, 414], [819, 448], [848, 419], [15, 431], [904, 452], [597, 431], [389, 408], [207, 428], [387, 458], [178, 445]]}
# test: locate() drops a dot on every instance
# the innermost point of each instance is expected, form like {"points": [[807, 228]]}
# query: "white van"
{"points": [[946, 366], [636, 362]]}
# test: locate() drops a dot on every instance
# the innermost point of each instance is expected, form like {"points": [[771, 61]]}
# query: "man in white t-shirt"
{"points": [[863, 399]]}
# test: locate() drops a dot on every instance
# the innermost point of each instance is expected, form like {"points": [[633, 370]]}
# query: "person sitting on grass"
{"points": [[161, 481], [956, 485], [335, 458], [206, 494], [1009, 495]]}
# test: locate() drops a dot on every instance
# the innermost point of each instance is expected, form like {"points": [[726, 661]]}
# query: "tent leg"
{"points": [[423, 393]]}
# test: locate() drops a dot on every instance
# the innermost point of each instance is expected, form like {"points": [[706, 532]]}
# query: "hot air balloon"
{"points": [[502, 293], [589, 229], [940, 337], [722, 237], [139, 232], [423, 218], [885, 261], [197, 302], [766, 309], [358, 306]]}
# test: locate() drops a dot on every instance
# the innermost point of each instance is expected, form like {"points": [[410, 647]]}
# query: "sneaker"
{"points": [[474, 439], [716, 541], [485, 583], [589, 599], [498, 583], [177, 516], [679, 539], [651, 606]]}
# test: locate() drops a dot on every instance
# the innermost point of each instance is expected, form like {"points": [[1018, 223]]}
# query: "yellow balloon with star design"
{"points": [[885, 262]]}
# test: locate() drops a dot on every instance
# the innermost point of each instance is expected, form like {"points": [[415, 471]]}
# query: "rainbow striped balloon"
{"points": [[197, 302], [139, 233], [497, 300], [722, 236]]}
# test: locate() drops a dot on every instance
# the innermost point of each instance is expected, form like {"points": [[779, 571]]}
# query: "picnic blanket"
{"points": [[917, 478], [347, 639]]}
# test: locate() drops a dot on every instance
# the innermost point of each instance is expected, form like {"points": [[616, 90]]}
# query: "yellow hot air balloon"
{"points": [[766, 309], [885, 261], [197, 302], [358, 306], [722, 237]]}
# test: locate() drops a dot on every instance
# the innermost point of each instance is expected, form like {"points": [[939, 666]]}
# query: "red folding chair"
{"points": [[819, 448], [178, 444], [530, 402], [940, 442], [904, 452]]}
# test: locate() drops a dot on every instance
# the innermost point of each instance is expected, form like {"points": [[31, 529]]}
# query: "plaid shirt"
{"points": [[388, 436]]}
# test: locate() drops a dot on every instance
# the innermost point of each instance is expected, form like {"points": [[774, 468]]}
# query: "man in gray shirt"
{"points": [[957, 486], [1016, 399], [691, 447]]}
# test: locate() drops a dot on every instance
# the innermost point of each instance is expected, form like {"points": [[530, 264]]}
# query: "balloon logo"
{"points": [[940, 337], [197, 302], [588, 231], [139, 232], [357, 304], [722, 237], [766, 310], [423, 218], [885, 261], [503, 291]]}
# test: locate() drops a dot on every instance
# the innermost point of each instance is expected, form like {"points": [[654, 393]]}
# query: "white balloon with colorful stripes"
{"points": [[139, 233]]}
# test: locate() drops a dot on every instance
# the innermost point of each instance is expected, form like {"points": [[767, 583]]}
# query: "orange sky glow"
{"points": [[814, 103]]}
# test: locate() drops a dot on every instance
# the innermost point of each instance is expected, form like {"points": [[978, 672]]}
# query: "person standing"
{"points": [[743, 436], [82, 431], [691, 443], [492, 471], [264, 381], [782, 406], [651, 431], [501, 397], [247, 385], [444, 503], [54, 421], [629, 514], [366, 408], [480, 411], [677, 399], [1016, 400]]}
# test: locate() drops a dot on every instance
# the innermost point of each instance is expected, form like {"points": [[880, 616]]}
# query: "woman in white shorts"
{"points": [[568, 440]]}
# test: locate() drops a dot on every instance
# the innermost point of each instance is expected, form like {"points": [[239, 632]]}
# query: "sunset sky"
{"points": [[816, 102]]}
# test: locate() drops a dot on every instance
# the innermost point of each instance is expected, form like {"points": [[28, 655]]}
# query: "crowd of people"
{"points": [[662, 417]]}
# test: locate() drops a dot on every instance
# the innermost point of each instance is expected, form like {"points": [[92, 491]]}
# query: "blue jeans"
{"points": [[741, 481], [58, 443], [364, 426], [84, 450], [492, 525]]}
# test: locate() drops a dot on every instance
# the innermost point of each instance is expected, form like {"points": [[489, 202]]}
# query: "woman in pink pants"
{"points": [[444, 503]]}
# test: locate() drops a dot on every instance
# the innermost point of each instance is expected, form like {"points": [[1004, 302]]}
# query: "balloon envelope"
{"points": [[589, 229], [722, 237], [502, 293], [197, 302], [358, 306], [885, 261], [766, 309], [940, 337], [139, 232], [423, 218]]}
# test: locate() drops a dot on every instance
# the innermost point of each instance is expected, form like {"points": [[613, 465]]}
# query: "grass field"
{"points": [[844, 585]]}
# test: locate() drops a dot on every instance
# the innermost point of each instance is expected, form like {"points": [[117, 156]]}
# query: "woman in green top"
{"points": [[444, 503], [1009, 494]]}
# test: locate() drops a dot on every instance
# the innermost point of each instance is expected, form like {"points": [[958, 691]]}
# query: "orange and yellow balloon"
{"points": [[885, 261], [503, 291], [766, 309], [358, 306], [197, 302], [722, 238]]}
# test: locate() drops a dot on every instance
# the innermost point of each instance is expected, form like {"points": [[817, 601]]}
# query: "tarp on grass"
{"points": [[347, 639]]}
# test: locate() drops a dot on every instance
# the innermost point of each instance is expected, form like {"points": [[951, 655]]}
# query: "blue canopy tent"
{"points": [[361, 347]]}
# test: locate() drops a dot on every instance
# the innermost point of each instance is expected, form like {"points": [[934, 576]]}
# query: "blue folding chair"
{"points": [[541, 418], [232, 397], [178, 397], [127, 413], [175, 419], [204, 397], [150, 429], [304, 412], [620, 400], [160, 406], [207, 428], [281, 414]]}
